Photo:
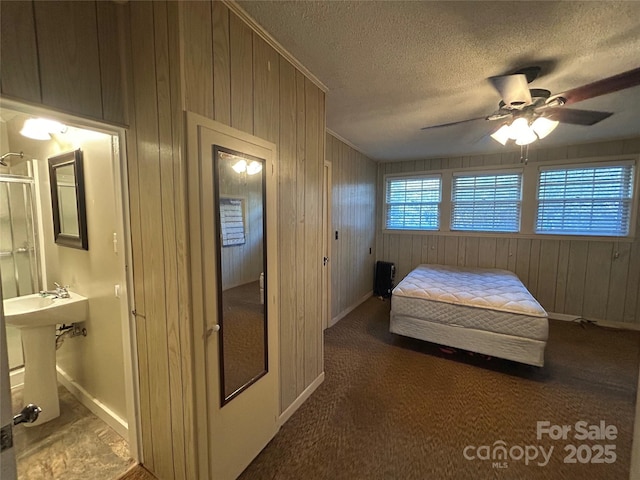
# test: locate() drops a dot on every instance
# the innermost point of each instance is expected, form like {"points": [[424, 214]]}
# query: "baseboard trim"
{"points": [[603, 323], [286, 415], [350, 309], [16, 378], [96, 407]]}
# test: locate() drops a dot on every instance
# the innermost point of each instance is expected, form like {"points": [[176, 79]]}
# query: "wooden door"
{"points": [[233, 230]]}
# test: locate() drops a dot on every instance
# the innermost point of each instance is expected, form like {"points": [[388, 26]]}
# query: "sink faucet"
{"points": [[59, 292]]}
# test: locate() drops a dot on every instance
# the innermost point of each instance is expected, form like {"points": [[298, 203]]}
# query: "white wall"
{"points": [[94, 362]]}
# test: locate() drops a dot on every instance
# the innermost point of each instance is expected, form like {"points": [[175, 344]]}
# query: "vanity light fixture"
{"points": [[41, 128], [252, 168], [240, 166]]}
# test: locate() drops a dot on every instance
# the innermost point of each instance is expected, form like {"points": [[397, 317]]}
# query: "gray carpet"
{"points": [[398, 408]]}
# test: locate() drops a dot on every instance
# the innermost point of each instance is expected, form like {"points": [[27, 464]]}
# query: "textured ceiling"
{"points": [[393, 67]]}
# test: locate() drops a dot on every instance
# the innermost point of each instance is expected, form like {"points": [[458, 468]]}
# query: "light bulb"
{"points": [[543, 126], [41, 128], [526, 137], [240, 166], [502, 134], [254, 167], [519, 128]]}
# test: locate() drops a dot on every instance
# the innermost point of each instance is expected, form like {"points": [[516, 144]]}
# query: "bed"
{"points": [[483, 310]]}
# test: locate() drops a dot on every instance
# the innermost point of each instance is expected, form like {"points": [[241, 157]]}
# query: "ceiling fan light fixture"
{"points": [[526, 137], [519, 128], [543, 126], [502, 135]]}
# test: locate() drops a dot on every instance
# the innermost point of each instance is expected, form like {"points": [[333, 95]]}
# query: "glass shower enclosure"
{"points": [[20, 270]]}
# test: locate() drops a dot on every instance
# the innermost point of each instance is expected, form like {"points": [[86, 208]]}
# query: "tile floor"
{"points": [[75, 446]]}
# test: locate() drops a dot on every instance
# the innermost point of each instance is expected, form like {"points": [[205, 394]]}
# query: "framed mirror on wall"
{"points": [[66, 177], [241, 249]]}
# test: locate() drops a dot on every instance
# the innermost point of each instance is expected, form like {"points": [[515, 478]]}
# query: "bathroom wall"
{"points": [[94, 362]]}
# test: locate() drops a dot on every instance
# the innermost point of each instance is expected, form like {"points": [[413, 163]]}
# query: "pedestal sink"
{"points": [[37, 316]]}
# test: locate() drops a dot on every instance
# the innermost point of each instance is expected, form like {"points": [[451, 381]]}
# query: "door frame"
{"points": [[326, 245], [127, 299], [204, 395]]}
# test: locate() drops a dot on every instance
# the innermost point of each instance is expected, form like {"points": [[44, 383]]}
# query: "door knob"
{"points": [[211, 330], [29, 414]]}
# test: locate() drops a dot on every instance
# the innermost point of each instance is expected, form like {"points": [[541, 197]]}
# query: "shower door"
{"points": [[19, 256]]}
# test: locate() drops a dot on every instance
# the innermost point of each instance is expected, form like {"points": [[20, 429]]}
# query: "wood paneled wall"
{"points": [[66, 55], [233, 76], [594, 279], [142, 64], [353, 207], [201, 57]]}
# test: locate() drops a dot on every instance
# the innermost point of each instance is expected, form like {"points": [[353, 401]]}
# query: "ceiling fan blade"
{"points": [[621, 81], [453, 123], [513, 89], [576, 117]]}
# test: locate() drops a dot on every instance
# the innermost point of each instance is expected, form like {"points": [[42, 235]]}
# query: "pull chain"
{"points": [[524, 154]]}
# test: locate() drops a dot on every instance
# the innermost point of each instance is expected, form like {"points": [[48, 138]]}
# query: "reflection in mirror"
{"points": [[67, 200], [241, 223], [66, 182]]}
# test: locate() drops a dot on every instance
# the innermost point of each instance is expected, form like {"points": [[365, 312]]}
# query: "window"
{"points": [[412, 203], [486, 202], [232, 221], [585, 200]]}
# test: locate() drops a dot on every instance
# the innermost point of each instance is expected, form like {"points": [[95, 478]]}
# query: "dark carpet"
{"points": [[398, 408], [243, 336]]}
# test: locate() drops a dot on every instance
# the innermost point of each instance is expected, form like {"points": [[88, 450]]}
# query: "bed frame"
{"points": [[519, 349], [511, 347]]}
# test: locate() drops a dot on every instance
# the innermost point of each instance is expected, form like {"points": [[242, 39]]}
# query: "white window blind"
{"points": [[486, 202], [585, 200], [412, 203]]}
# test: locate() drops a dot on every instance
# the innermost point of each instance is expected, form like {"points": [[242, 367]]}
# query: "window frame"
{"points": [[530, 179], [488, 173], [411, 176], [633, 202]]}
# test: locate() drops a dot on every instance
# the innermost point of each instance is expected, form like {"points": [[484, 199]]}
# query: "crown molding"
{"points": [[347, 142], [266, 36]]}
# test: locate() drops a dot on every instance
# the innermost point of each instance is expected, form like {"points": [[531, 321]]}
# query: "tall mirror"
{"points": [[241, 246], [67, 200]]}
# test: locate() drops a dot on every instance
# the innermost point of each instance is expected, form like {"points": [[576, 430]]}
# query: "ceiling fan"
{"points": [[529, 114]]}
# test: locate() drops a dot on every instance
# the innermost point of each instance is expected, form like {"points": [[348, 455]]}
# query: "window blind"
{"points": [[412, 203], [486, 202], [585, 200]]}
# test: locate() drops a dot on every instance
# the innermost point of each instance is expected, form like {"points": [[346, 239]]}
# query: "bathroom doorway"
{"points": [[96, 434]]}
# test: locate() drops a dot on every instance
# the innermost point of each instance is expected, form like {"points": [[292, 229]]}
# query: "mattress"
{"points": [[482, 299]]}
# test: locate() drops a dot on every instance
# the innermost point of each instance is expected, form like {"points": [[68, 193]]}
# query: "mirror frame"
{"points": [[225, 399], [70, 158]]}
